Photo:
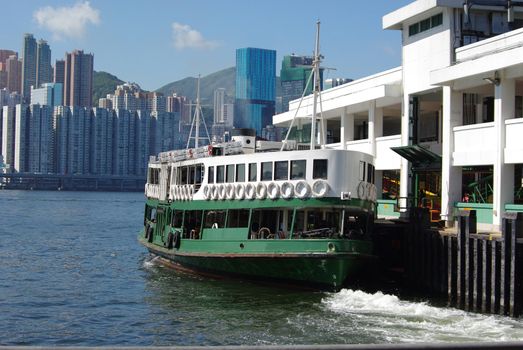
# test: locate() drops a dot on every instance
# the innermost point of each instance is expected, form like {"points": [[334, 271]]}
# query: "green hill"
{"points": [[103, 84]]}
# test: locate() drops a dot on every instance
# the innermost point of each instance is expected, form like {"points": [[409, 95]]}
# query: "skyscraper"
{"points": [[255, 88], [44, 71], [59, 71], [50, 94], [28, 65], [14, 74], [78, 79], [294, 74]]}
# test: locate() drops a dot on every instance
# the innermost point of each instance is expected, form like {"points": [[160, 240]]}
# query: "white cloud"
{"points": [[185, 37], [66, 22]]}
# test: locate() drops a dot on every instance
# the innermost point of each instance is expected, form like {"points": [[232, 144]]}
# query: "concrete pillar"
{"points": [[347, 128], [370, 133], [404, 169], [451, 176], [504, 108]]}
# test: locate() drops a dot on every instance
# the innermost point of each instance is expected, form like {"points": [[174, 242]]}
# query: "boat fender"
{"points": [[229, 191], [221, 192], [303, 189], [320, 188], [287, 190], [176, 240], [239, 191], [169, 242], [250, 191], [273, 190], [261, 190], [361, 190]]}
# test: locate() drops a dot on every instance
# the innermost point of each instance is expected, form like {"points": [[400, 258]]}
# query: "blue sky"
{"points": [[155, 42]]}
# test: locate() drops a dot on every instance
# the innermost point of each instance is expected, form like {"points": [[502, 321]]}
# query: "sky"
{"points": [[156, 42]]}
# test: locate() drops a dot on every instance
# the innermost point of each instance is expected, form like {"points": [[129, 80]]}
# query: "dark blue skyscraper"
{"points": [[255, 88]]}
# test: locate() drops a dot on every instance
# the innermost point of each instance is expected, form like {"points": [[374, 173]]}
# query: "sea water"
{"points": [[73, 273]]}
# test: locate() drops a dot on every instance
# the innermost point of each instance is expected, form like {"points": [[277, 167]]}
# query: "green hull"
{"points": [[310, 267], [327, 262]]}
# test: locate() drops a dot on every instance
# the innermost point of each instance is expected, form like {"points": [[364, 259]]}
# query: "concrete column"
{"points": [[347, 128], [504, 108], [451, 176], [404, 169], [370, 133]]}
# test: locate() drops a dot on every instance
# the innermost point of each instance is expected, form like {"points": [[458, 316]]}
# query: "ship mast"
{"points": [[315, 76], [196, 121]]}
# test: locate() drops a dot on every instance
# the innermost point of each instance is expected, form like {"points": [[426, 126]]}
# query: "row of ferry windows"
{"points": [[269, 171]]}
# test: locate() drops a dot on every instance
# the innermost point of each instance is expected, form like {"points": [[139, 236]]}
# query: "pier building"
{"points": [[445, 127]]}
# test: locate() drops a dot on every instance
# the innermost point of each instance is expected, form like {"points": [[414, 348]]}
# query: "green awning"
{"points": [[417, 155]]}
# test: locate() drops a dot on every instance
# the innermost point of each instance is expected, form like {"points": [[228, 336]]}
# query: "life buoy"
{"points": [[287, 190], [207, 192], [303, 189], [250, 191], [369, 191], [221, 192], [169, 241], [239, 191], [176, 240], [361, 190], [320, 188], [214, 192], [261, 190], [190, 190], [189, 153], [209, 150], [229, 191], [273, 190]]}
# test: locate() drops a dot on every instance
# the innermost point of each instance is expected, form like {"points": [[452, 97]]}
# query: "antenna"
{"points": [[196, 121]]}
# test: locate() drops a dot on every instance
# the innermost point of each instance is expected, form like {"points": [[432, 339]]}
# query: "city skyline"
{"points": [[181, 37]]}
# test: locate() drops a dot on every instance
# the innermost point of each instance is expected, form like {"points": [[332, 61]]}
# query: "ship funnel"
{"points": [[247, 137]]}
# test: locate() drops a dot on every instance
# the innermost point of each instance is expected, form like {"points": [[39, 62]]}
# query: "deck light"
{"points": [[493, 81]]}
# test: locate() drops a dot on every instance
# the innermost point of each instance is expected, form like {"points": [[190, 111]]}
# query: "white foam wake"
{"points": [[404, 321]]}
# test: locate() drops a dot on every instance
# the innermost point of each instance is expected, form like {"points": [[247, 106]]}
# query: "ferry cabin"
{"points": [[269, 195]]}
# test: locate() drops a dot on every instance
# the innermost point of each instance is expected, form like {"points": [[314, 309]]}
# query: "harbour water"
{"points": [[73, 273]]}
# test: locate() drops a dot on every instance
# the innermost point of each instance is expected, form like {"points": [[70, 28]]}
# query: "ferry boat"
{"points": [[274, 211]]}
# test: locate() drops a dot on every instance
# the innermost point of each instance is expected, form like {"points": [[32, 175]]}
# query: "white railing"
{"points": [[474, 144], [513, 142], [502, 42], [387, 159]]}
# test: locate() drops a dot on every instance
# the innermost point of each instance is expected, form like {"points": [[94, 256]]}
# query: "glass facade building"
{"points": [[255, 88]]}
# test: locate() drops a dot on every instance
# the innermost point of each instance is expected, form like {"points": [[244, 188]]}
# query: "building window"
{"points": [[436, 20], [413, 29], [281, 170], [426, 24], [298, 169], [266, 169], [319, 169]]}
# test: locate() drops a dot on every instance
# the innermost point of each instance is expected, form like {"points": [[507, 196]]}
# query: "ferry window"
{"points": [[210, 175], [319, 169], [238, 218], [266, 169], [214, 219], [252, 172], [184, 175], [220, 176], [177, 218], [240, 173], [362, 170], [281, 170], [192, 223], [298, 169], [230, 173], [191, 177], [370, 173], [198, 175]]}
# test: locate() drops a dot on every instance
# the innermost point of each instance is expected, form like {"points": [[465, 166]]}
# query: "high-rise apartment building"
{"points": [[14, 73], [101, 152], [8, 134], [255, 88], [44, 71], [29, 57], [143, 142], [21, 138], [294, 74], [181, 105], [59, 71], [78, 79], [50, 94], [123, 142], [73, 129], [39, 145], [5, 54]]}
